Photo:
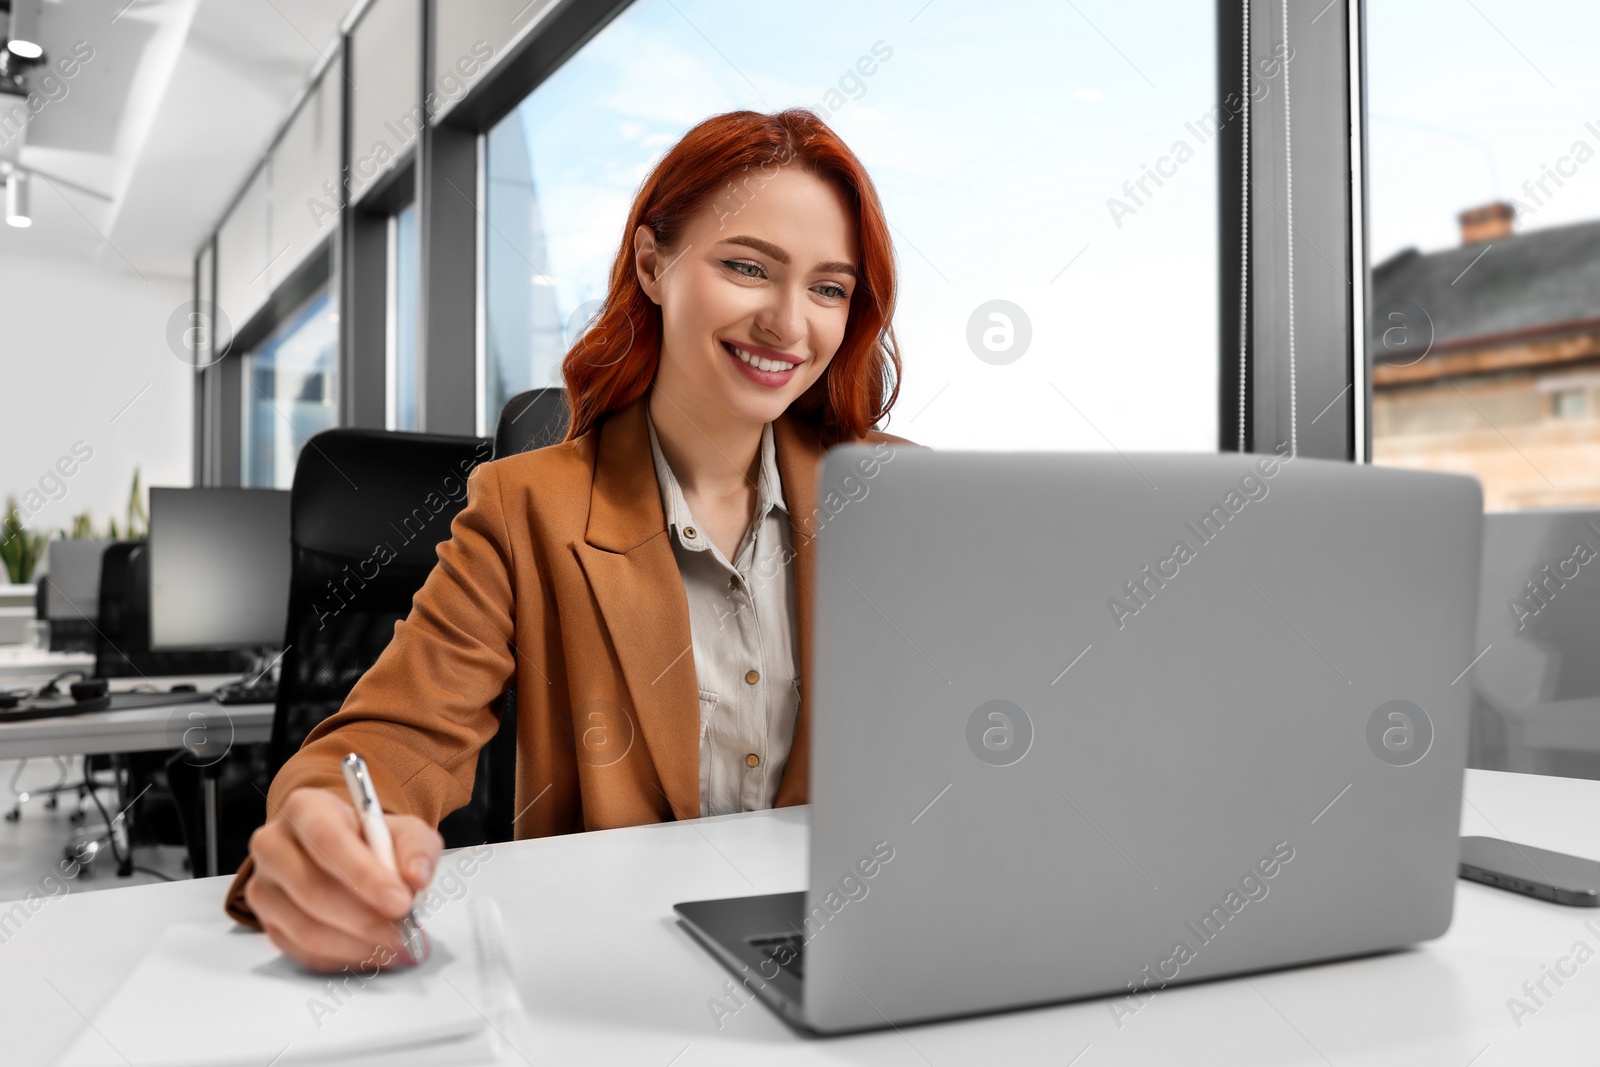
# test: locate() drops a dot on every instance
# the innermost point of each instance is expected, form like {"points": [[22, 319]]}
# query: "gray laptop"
{"points": [[1096, 725]]}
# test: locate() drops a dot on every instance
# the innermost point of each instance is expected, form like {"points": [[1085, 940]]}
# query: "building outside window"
{"points": [[1570, 403]]}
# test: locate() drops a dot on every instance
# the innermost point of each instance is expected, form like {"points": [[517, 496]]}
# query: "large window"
{"points": [[1485, 229], [1054, 165], [289, 383]]}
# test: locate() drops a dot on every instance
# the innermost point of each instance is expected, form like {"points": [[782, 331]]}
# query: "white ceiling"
{"points": [[179, 101]]}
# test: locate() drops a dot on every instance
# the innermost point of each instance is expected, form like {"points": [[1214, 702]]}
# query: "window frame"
{"points": [[1304, 209]]}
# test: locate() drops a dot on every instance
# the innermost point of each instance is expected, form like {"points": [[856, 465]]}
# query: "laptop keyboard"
{"points": [[787, 950]]}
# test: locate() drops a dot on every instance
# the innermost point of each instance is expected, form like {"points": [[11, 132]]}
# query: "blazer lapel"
{"points": [[627, 557], [799, 449]]}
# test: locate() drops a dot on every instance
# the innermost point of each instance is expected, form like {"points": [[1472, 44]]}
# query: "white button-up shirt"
{"points": [[742, 624]]}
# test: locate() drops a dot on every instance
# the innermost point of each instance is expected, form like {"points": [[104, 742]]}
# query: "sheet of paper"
{"points": [[211, 995]]}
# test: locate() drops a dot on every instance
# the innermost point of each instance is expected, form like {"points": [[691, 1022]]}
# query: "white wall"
{"points": [[79, 342]]}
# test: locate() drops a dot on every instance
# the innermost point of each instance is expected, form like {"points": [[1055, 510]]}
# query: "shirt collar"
{"points": [[769, 487]]}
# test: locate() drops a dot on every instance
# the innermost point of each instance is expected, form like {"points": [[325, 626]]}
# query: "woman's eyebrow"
{"points": [[770, 249]]}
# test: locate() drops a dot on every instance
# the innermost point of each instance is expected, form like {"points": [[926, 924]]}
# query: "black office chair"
{"points": [[531, 419], [114, 642], [353, 491]]}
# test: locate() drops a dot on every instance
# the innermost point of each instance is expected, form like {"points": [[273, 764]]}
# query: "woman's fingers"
{"points": [[323, 897], [321, 893], [331, 836], [416, 849]]}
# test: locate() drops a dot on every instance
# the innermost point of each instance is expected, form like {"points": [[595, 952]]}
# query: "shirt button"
{"points": [[752, 760], [733, 582], [688, 531], [752, 677]]}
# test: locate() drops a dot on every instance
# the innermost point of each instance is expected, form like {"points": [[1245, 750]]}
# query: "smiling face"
{"points": [[754, 300]]}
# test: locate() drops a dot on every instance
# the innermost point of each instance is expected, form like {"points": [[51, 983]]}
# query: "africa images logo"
{"points": [[1399, 732], [999, 733]]}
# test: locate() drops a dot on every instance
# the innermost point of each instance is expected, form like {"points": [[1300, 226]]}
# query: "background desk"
{"points": [[609, 977], [145, 729], [21, 665]]}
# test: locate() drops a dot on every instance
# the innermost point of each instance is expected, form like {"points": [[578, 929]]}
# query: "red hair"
{"points": [[863, 380]]}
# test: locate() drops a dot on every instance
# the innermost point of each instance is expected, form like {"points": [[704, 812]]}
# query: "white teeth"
{"points": [[760, 363]]}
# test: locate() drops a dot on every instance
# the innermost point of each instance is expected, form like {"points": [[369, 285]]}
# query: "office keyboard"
{"points": [[787, 950], [240, 693], [141, 699]]}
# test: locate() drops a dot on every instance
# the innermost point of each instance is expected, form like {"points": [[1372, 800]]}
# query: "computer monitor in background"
{"points": [[72, 593], [219, 568], [1536, 683]]}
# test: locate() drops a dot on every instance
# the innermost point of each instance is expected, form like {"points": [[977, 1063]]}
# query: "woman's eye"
{"points": [[744, 267], [832, 290]]}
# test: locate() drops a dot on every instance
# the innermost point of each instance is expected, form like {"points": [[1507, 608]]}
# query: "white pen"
{"points": [[376, 831]]}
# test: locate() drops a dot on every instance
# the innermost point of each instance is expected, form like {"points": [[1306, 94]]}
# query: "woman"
{"points": [[646, 584]]}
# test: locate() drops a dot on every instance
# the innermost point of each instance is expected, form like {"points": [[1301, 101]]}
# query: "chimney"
{"points": [[1487, 223]]}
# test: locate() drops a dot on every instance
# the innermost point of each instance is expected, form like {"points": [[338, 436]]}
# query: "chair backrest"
{"points": [[122, 624], [531, 419], [114, 643], [367, 510]]}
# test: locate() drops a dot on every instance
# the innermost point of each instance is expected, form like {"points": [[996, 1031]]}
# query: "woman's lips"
{"points": [[770, 378]]}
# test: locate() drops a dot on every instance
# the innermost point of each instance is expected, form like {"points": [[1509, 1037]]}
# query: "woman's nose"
{"points": [[782, 319]]}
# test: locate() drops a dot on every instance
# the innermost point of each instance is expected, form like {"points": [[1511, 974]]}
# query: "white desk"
{"points": [[132, 729], [609, 977], [137, 729], [20, 664]]}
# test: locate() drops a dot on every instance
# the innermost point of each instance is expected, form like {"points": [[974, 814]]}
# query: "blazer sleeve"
{"points": [[420, 714]]}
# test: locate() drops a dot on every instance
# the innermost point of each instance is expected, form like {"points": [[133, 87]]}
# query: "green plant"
{"points": [[138, 527], [20, 548], [136, 523]]}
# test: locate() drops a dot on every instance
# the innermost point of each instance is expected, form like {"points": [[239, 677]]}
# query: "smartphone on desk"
{"points": [[1536, 872]]}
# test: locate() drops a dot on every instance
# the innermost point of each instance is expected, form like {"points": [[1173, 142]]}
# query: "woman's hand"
{"points": [[319, 891]]}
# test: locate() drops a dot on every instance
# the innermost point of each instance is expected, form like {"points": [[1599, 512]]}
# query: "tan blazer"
{"points": [[559, 576]]}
